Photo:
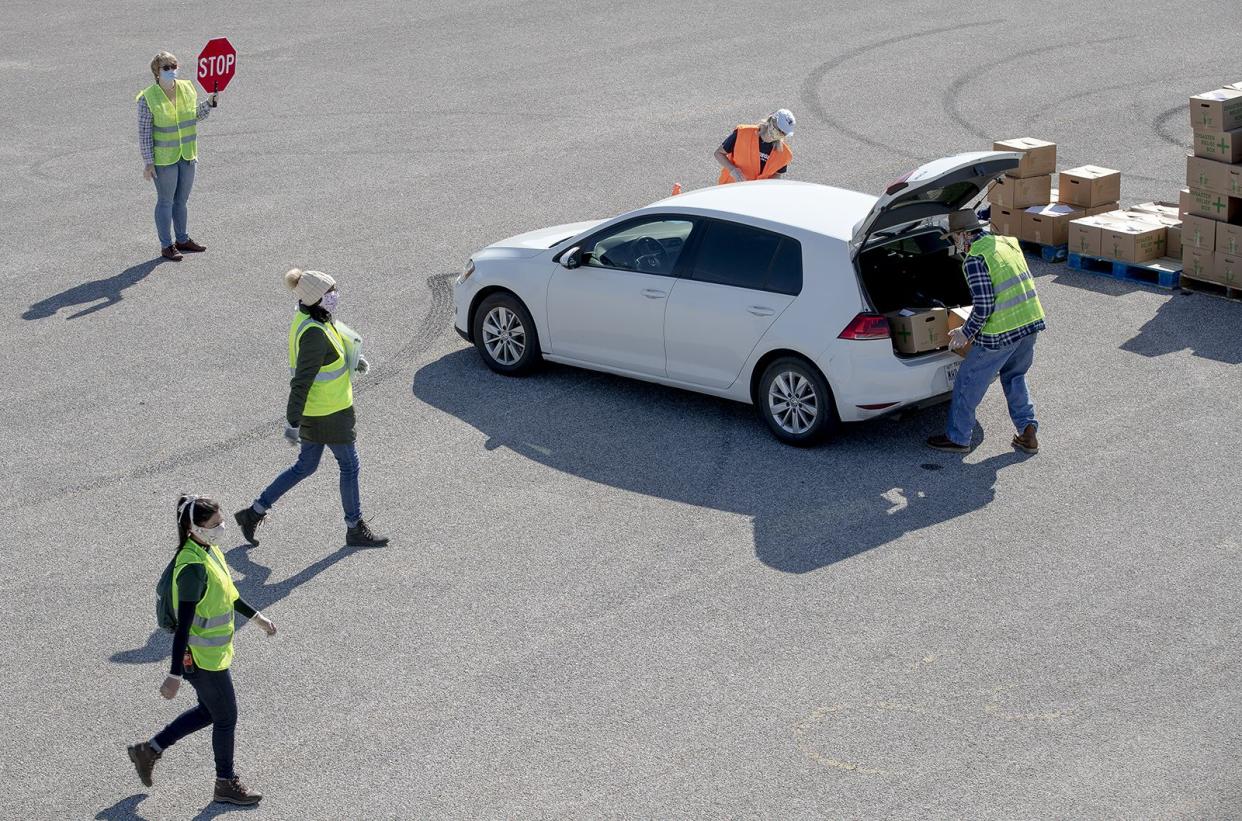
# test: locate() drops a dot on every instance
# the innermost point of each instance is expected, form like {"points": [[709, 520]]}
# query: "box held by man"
{"points": [[919, 330]]}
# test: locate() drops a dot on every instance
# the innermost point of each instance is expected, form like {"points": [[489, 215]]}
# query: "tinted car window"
{"points": [[746, 257], [650, 247]]}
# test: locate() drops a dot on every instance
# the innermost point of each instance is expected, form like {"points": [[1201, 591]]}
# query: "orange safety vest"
{"points": [[746, 156]]}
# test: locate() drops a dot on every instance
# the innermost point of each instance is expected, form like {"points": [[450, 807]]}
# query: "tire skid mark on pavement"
{"points": [[1162, 125], [809, 94], [952, 98], [432, 326]]}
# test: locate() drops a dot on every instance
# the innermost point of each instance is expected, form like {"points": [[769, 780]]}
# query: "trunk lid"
{"points": [[935, 189]]}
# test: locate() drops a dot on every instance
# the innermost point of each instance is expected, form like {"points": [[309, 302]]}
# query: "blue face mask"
{"points": [[168, 75]]}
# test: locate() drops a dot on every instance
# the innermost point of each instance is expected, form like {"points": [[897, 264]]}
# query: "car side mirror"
{"points": [[572, 258]]}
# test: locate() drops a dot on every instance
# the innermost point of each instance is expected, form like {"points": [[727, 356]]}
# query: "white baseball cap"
{"points": [[784, 120]]}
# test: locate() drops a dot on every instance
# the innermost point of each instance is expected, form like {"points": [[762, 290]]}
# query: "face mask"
{"points": [[330, 300], [168, 75], [210, 535]]}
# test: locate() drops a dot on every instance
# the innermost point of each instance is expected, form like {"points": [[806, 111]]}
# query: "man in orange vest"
{"points": [[757, 151]]}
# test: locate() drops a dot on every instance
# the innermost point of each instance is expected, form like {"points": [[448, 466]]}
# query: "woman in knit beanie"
{"points": [[323, 358]]}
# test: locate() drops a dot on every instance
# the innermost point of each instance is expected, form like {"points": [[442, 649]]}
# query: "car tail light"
{"points": [[866, 326]]}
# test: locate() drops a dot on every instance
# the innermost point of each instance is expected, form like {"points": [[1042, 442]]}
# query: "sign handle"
{"points": [[215, 93]]}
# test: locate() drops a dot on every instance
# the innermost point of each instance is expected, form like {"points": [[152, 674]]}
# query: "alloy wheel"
{"points": [[793, 402], [504, 335]]}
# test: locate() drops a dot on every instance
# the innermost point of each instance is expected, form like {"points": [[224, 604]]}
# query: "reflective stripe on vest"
{"points": [[211, 631], [745, 155], [333, 389], [174, 130], [1017, 304]]}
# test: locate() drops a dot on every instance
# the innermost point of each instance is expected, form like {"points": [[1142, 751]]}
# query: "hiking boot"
{"points": [[171, 252], [361, 535], [1026, 441], [232, 791], [144, 757], [942, 442], [249, 520], [190, 246]]}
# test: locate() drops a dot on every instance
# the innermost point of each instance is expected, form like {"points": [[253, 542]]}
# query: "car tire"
{"points": [[796, 403], [505, 335]]}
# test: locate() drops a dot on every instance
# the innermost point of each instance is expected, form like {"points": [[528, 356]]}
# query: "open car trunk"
{"points": [[917, 272]]}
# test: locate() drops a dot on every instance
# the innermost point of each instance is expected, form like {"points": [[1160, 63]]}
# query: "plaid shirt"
{"points": [[980, 282], [145, 123]]}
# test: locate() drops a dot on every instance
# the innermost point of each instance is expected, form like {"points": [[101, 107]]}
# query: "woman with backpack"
{"points": [[201, 593]]}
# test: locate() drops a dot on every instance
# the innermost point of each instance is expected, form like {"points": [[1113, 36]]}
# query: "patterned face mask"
{"points": [[330, 300]]}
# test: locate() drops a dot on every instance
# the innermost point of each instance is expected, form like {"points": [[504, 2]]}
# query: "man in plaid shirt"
{"points": [[1003, 325]]}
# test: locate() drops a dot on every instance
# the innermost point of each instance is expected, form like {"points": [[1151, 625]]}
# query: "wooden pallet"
{"points": [[1202, 286], [1162, 273], [1048, 253]]}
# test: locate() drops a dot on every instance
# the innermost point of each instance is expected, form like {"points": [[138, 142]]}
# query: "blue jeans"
{"points": [[978, 370], [217, 708], [308, 463], [172, 188]]}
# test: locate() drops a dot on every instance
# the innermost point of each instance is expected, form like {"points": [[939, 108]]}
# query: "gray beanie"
{"points": [[310, 286]]}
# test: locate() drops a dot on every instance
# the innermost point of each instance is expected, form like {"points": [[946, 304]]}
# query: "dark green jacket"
{"points": [[314, 352]]}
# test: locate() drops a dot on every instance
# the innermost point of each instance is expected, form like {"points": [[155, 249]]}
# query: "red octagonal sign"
{"points": [[217, 64]]}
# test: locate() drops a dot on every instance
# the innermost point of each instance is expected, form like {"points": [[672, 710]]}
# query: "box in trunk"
{"points": [[916, 331]]}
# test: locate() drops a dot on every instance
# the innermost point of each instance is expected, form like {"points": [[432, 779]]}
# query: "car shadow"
{"points": [[253, 588], [1207, 325], [105, 292], [810, 507]]}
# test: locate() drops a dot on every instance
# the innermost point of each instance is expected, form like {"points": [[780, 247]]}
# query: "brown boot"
{"points": [[232, 791], [1026, 441], [172, 253], [190, 246], [144, 757]]}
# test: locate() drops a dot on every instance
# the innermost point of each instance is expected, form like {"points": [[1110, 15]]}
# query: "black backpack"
{"points": [[165, 615]]}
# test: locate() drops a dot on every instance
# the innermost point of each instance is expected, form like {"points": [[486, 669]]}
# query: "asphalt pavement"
{"points": [[603, 598]]}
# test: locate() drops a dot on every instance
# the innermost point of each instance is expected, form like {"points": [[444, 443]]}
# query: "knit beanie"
{"points": [[310, 286]]}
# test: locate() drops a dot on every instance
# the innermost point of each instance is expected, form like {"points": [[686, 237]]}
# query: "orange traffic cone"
{"points": [[676, 188]]}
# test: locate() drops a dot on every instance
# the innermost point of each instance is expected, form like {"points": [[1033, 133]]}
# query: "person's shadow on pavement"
{"points": [[105, 292], [253, 588]]}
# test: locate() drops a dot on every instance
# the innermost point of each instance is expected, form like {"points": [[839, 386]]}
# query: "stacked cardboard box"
{"points": [[1211, 205], [1028, 184]]}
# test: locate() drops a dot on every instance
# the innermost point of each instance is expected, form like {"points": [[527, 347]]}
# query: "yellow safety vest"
{"points": [[211, 632], [332, 389], [1017, 304], [174, 131]]}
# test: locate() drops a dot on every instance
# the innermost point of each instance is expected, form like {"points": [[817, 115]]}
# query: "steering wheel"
{"points": [[649, 254]]}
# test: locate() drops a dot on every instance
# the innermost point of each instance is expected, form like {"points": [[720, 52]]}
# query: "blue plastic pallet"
{"points": [[1162, 276], [1048, 253]]}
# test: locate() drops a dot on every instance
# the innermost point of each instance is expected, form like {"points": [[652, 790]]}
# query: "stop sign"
{"points": [[217, 64]]}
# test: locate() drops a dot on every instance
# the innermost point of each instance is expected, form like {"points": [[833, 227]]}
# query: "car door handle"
{"points": [[654, 293], [761, 310]]}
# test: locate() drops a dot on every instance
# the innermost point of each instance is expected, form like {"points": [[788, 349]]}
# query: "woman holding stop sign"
{"points": [[168, 114]]}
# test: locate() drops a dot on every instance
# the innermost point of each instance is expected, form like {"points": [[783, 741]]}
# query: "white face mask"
{"points": [[330, 300], [210, 535]]}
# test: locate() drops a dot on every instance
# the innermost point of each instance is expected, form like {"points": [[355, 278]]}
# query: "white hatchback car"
{"points": [[771, 293]]}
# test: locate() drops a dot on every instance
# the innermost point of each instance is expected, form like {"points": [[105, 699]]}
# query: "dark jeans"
{"points": [[308, 463], [217, 707]]}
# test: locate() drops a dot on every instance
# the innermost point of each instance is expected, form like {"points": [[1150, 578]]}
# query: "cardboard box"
{"points": [[1090, 185], [1227, 269], [1228, 239], [1173, 244], [1215, 206], [1217, 177], [957, 318], [1006, 222], [1164, 209], [1048, 224], [1219, 110], [1183, 202], [1198, 233], [1134, 242], [1102, 209], [1198, 264], [1014, 192], [1085, 235], [1221, 146], [919, 331], [1039, 157]]}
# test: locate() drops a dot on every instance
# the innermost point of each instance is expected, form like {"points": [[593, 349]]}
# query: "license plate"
{"points": [[950, 373]]}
